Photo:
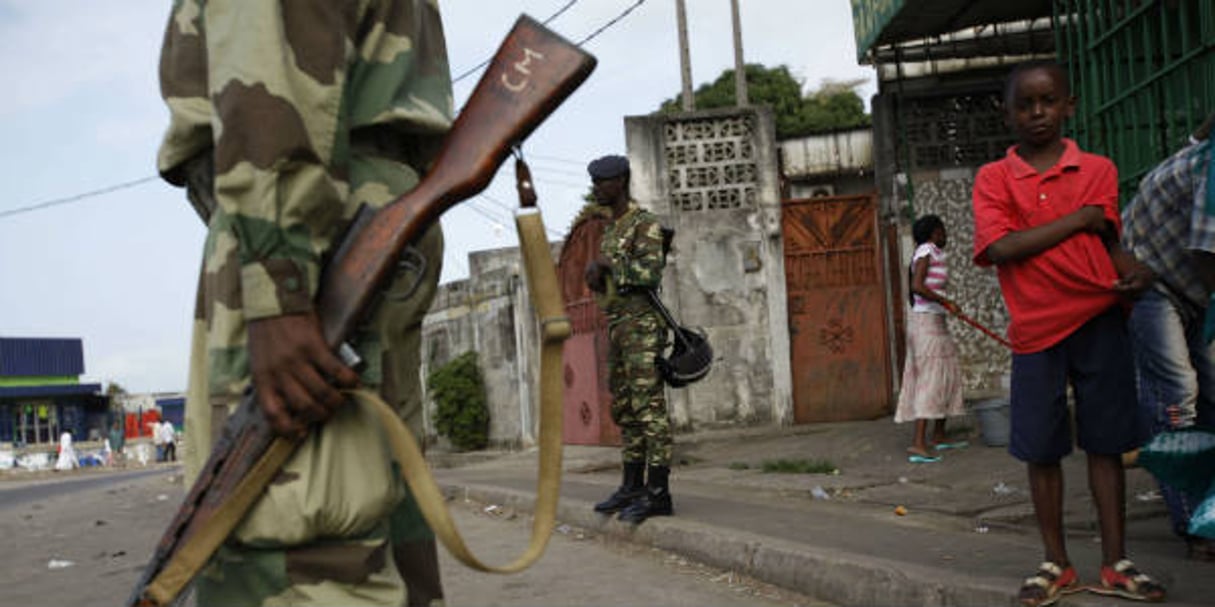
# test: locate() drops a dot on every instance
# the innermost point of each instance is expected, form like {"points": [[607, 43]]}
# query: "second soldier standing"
{"points": [[630, 264]]}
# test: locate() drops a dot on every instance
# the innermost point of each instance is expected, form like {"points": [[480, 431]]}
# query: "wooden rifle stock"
{"points": [[532, 73]]}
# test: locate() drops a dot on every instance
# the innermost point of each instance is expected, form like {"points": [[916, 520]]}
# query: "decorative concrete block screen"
{"points": [[955, 130], [711, 163]]}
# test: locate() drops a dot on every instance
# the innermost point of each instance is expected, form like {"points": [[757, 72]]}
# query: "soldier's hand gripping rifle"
{"points": [[531, 74]]}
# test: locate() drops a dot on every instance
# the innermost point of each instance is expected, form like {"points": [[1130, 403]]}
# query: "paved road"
{"points": [[16, 493], [100, 531]]}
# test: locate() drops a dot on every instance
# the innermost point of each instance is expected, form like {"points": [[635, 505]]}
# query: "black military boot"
{"points": [[655, 502], [632, 486]]}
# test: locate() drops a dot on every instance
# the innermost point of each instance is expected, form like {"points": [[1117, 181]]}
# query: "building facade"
{"points": [[41, 396]]}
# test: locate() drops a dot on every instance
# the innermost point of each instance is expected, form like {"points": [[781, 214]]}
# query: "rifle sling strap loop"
{"points": [[555, 328]]}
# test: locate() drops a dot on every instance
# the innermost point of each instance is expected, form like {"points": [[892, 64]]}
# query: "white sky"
{"points": [[81, 111]]}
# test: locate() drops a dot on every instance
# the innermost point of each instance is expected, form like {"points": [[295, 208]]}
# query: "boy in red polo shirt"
{"points": [[1047, 216]]}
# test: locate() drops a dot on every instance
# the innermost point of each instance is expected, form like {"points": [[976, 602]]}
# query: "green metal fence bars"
{"points": [[1144, 75]]}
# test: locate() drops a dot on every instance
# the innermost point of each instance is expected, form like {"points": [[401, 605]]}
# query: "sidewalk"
{"points": [[967, 538]]}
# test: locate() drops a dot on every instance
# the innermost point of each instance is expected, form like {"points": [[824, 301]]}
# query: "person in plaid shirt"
{"points": [[1170, 226]]}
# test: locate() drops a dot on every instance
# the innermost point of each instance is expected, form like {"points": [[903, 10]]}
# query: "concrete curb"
{"points": [[844, 578]]}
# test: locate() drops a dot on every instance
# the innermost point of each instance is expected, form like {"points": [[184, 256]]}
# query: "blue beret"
{"points": [[608, 167]]}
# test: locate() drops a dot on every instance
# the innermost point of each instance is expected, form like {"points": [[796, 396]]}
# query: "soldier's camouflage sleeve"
{"points": [[642, 265], [277, 88]]}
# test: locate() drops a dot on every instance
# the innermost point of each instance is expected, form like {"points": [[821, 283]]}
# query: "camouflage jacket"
{"points": [[281, 92], [632, 245]]}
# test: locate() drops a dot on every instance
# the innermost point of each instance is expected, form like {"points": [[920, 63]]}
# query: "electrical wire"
{"points": [[510, 211], [472, 70], [614, 21], [77, 197], [552, 171], [558, 159], [588, 38]]}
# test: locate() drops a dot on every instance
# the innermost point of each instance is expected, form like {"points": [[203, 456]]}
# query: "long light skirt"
{"points": [[932, 377]]}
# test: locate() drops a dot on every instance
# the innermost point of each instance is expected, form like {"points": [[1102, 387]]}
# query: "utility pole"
{"points": [[685, 61], [740, 69]]}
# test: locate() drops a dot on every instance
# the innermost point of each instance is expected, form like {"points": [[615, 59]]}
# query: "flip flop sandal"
{"points": [[923, 459], [955, 445], [1048, 585]]}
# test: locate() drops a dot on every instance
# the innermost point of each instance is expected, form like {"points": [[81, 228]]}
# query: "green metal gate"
{"points": [[1144, 73]]}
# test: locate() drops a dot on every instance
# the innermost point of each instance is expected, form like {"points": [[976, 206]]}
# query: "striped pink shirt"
{"points": [[937, 278]]}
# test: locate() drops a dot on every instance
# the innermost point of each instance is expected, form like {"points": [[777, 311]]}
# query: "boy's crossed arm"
{"points": [[1020, 244], [1133, 275]]}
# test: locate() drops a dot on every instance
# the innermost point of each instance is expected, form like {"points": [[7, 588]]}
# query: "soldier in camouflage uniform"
{"points": [[285, 118], [631, 263]]}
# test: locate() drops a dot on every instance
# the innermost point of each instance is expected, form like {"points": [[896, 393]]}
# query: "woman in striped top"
{"points": [[932, 377]]}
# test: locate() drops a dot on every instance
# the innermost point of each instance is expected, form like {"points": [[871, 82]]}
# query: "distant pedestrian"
{"points": [[1170, 226], [932, 376], [118, 441], [1046, 215], [67, 454], [168, 441], [630, 264], [158, 441]]}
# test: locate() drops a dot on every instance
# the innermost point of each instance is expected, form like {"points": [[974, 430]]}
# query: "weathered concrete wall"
{"points": [[489, 313], [712, 175]]}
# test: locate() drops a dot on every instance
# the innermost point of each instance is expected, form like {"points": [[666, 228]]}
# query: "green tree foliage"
{"points": [[459, 394], [834, 106]]}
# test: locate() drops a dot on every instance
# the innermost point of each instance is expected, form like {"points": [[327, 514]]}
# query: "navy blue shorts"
{"points": [[1097, 360]]}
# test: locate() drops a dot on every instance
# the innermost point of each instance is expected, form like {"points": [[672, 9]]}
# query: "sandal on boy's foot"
{"points": [[954, 445], [1126, 581], [923, 459], [1048, 585]]}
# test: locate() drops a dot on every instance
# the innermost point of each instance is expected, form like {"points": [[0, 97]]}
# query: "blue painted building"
{"points": [[173, 410], [41, 395]]}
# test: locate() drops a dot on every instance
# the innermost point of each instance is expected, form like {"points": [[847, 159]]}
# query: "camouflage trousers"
{"points": [[639, 405], [375, 559]]}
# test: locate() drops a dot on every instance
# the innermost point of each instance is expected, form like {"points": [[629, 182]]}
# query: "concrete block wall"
{"points": [[712, 175]]}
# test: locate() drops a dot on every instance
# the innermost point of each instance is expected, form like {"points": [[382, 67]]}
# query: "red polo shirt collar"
{"points": [[1022, 169]]}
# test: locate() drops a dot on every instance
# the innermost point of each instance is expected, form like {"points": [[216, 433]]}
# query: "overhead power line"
{"points": [[613, 21], [78, 197], [472, 70], [559, 159], [510, 211], [588, 38]]}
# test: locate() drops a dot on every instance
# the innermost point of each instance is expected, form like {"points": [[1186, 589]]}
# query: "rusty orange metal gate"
{"points": [[837, 309], [587, 399]]}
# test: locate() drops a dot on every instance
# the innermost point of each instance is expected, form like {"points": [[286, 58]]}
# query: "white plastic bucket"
{"points": [[992, 415]]}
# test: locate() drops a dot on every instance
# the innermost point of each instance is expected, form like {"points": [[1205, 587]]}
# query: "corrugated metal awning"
{"points": [[41, 356], [882, 22], [51, 391], [828, 154]]}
